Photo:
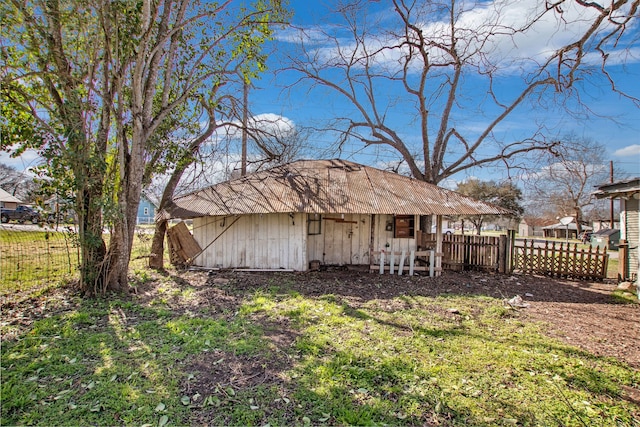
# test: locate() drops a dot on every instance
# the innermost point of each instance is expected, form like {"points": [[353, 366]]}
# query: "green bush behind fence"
{"points": [[32, 259]]}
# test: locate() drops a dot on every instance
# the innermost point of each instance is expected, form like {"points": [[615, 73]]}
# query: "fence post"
{"points": [[412, 256], [512, 251], [401, 265], [432, 254], [623, 248], [502, 254], [392, 259]]}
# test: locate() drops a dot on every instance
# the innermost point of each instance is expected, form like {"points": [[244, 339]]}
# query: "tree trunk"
{"points": [[121, 242], [124, 227], [92, 246], [156, 259]]}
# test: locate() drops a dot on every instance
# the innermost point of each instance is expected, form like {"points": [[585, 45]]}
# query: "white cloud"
{"points": [[630, 150], [509, 34], [24, 162], [267, 123]]}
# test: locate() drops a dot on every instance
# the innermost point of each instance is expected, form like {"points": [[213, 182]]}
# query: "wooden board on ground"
{"points": [[182, 246]]}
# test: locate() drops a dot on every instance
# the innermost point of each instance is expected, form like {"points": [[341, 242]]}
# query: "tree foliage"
{"points": [[441, 68], [505, 195], [107, 87]]}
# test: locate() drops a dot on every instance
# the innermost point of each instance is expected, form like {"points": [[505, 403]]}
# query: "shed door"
{"points": [[342, 241]]}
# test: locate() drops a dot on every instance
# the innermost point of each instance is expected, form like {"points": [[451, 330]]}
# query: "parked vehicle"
{"points": [[20, 214], [445, 230]]}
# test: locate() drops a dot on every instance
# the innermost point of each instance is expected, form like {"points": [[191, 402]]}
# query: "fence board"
{"points": [[558, 259], [466, 252]]}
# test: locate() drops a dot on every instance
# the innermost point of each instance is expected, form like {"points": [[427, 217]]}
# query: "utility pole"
{"points": [[245, 113], [612, 226]]}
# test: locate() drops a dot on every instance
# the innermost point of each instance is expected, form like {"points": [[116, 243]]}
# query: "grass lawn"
{"points": [[182, 352]]}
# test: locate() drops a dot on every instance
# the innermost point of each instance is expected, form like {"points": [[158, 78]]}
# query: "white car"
{"points": [[445, 230]]}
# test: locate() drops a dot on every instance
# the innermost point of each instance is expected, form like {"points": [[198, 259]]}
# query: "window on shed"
{"points": [[404, 227], [314, 224]]}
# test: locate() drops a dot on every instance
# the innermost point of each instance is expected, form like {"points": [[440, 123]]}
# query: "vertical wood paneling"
{"points": [[632, 216], [279, 241], [268, 241]]}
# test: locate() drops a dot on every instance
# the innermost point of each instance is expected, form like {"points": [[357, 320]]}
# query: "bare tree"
{"points": [[17, 183], [565, 185], [432, 66], [275, 140]]}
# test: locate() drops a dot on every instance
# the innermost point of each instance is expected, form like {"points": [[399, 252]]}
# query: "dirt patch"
{"points": [[583, 314]]}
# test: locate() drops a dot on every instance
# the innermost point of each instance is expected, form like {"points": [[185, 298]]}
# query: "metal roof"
{"points": [[326, 186], [618, 189]]}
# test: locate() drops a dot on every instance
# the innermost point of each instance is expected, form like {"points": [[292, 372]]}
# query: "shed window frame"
{"points": [[314, 225], [404, 227]]}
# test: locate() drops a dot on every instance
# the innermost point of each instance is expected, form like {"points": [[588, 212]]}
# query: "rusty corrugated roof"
{"points": [[326, 186]]}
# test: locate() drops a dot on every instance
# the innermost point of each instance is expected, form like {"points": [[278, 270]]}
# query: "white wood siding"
{"points": [[342, 241], [382, 236], [280, 241], [273, 241], [632, 233]]}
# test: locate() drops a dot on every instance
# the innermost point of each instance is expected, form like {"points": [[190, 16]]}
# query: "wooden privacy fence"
{"points": [[558, 259], [467, 252]]}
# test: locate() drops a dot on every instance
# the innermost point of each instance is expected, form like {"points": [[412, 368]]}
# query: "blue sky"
{"points": [[610, 119]]}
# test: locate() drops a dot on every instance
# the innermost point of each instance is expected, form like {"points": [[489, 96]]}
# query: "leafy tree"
{"points": [[105, 84], [433, 65], [505, 195]]}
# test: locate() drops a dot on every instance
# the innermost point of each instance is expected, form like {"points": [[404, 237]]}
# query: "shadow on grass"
{"points": [[282, 350]]}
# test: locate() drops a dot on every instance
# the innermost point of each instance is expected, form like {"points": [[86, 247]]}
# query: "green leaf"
{"points": [[185, 400], [161, 407], [163, 421]]}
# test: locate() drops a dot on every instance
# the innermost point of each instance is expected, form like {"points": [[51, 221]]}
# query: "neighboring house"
{"points": [[332, 211], [628, 191], [604, 224], [8, 201], [560, 231], [146, 210], [530, 227]]}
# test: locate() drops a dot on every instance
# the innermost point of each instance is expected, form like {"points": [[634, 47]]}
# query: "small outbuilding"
{"points": [[606, 239], [332, 212]]}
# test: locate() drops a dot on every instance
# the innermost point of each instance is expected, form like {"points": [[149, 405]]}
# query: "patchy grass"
{"points": [[451, 360], [624, 297], [35, 259], [275, 356]]}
